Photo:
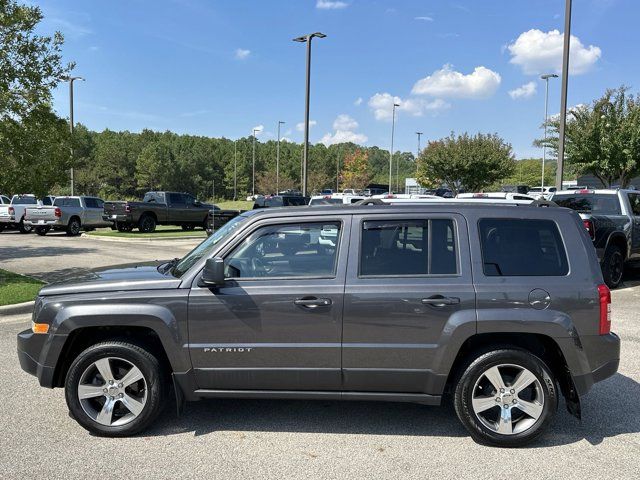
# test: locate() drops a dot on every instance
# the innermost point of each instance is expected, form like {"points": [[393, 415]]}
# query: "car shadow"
{"points": [[610, 409], [9, 253]]}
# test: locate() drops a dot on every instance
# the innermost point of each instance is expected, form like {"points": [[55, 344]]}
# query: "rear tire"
{"points": [[42, 231], [147, 224], [73, 228], [108, 413], [613, 266], [23, 227], [506, 398]]}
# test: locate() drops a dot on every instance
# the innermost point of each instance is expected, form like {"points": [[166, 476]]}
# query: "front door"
{"points": [[276, 323], [408, 287]]}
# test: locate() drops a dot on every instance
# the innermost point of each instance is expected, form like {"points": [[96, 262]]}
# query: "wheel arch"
{"points": [[619, 240]]}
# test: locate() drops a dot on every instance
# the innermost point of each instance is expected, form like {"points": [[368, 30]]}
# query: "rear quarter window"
{"points": [[518, 247], [598, 204]]}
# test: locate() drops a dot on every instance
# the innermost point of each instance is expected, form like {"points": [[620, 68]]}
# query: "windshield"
{"points": [[598, 204], [206, 247]]}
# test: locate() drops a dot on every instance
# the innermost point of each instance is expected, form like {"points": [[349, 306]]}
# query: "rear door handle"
{"points": [[440, 301], [312, 302]]}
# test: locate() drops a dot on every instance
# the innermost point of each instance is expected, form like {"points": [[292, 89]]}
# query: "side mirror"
{"points": [[213, 273]]}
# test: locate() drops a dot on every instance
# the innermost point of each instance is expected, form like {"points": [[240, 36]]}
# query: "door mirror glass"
{"points": [[213, 273]]}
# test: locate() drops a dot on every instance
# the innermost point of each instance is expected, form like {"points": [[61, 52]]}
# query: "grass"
{"points": [[235, 205], [162, 231], [16, 288]]}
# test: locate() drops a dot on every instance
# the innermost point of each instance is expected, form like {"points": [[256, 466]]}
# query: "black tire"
{"points": [[509, 360], [23, 227], [205, 224], [613, 266], [74, 227], [42, 231], [124, 227], [155, 387], [147, 224]]}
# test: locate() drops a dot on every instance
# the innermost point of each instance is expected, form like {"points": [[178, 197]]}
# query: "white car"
{"points": [[545, 192], [12, 215], [336, 199], [496, 196]]}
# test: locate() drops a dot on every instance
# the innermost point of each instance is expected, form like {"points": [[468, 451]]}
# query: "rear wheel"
{"points": [[147, 224], [115, 389], [613, 266], [42, 231], [23, 227], [506, 398], [73, 228]]}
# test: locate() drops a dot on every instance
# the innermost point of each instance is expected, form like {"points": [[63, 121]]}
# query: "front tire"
{"points": [[506, 398], [613, 266], [115, 389]]}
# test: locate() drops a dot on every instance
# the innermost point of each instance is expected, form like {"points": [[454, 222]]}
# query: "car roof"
{"points": [[601, 191]]}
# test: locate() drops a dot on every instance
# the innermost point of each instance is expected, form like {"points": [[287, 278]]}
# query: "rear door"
{"points": [[408, 287], [177, 211], [94, 209], [276, 324]]}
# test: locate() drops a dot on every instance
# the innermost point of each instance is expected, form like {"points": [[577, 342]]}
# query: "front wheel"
{"points": [[506, 398], [613, 266], [115, 389]]}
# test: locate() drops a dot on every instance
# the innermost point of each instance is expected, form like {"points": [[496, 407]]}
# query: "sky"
{"points": [[223, 68]]}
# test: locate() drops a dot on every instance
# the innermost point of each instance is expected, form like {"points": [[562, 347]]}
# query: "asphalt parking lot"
{"points": [[297, 439]]}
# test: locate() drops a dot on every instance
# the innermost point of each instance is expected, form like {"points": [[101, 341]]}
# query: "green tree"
{"points": [[355, 170], [602, 139], [155, 167], [470, 162]]}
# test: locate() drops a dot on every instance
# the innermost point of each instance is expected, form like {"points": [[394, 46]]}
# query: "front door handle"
{"points": [[312, 302], [440, 301]]}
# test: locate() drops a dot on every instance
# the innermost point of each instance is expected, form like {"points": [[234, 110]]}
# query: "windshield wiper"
{"points": [[165, 267]]}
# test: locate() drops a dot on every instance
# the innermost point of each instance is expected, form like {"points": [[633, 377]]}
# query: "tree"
{"points": [[355, 170], [528, 171], [602, 139], [155, 167], [469, 162], [266, 182]]}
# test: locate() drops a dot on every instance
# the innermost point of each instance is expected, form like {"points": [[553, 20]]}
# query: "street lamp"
{"points": [[253, 180], [393, 127], [278, 159], [71, 80], [546, 78], [419, 134], [307, 38], [563, 94], [235, 170]]}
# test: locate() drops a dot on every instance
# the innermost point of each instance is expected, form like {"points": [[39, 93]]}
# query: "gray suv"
{"points": [[497, 309]]}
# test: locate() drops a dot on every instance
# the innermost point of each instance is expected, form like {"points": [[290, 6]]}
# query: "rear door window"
{"points": [[517, 247], [67, 202], [598, 204], [176, 199], [634, 202]]}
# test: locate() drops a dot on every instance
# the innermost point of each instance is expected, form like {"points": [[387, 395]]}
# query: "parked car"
{"points": [[47, 200], [516, 188], [497, 307], [496, 196], [71, 214], [326, 191], [12, 215], [4, 200], [269, 201], [158, 208], [218, 218], [544, 192], [342, 199], [612, 219]]}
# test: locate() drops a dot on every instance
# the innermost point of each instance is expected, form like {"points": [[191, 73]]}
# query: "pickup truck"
{"points": [[612, 219], [218, 217], [71, 214], [158, 208], [12, 215]]}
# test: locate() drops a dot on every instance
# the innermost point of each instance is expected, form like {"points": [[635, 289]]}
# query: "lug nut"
{"points": [[515, 401], [513, 391], [110, 382], [104, 390], [497, 398], [121, 395], [120, 386], [506, 406], [502, 390]]}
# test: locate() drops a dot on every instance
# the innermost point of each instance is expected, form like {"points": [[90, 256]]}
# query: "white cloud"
{"points": [[537, 52], [242, 54], [381, 104], [446, 82], [344, 131], [358, 102], [424, 18], [259, 129], [330, 5], [525, 91], [300, 126]]}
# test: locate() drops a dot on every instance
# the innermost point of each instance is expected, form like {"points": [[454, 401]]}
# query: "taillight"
{"points": [[127, 208], [605, 309], [58, 212], [12, 211], [588, 224]]}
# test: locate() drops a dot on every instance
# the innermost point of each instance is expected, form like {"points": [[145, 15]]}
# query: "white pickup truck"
{"points": [[71, 214], [12, 214]]}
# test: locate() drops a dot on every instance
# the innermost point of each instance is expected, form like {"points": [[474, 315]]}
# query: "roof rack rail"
{"points": [[378, 201]]}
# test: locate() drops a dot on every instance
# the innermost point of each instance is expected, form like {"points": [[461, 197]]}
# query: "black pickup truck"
{"points": [[158, 208], [612, 219]]}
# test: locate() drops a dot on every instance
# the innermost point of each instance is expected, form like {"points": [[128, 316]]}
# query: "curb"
{"points": [[141, 240], [17, 309]]}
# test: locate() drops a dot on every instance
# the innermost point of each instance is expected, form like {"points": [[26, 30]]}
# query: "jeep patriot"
{"points": [[495, 308]]}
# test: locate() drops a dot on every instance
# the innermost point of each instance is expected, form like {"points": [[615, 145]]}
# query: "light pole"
{"points": [[338, 171], [546, 78], [563, 94], [253, 179], [71, 80], [419, 134], [307, 38], [393, 127], [235, 170], [278, 159]]}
